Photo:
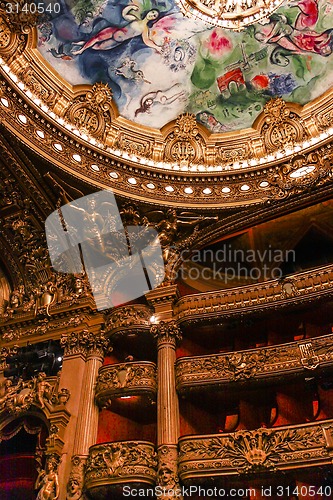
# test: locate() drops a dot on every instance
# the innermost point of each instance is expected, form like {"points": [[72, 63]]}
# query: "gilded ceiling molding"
{"points": [[78, 129], [237, 188]]}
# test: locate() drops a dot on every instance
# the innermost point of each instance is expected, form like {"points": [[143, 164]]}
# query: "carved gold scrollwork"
{"points": [[38, 88], [92, 112], [185, 142], [20, 18], [166, 332], [5, 34], [282, 126], [134, 145], [303, 171], [85, 342], [121, 462]]}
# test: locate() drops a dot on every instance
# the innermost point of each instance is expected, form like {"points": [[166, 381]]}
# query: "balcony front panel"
{"points": [[125, 379], [121, 462], [258, 451], [266, 362], [275, 294], [134, 319]]}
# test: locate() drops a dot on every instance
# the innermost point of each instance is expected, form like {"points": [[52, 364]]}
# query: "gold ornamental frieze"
{"points": [[121, 462], [290, 359], [274, 294], [255, 452], [125, 379]]}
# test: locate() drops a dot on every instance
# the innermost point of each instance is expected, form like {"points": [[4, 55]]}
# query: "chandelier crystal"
{"points": [[230, 14]]}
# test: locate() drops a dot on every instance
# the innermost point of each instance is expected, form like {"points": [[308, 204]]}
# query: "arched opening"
{"points": [[21, 450]]}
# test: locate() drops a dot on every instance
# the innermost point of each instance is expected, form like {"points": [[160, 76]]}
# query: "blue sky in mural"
{"points": [[160, 64]]}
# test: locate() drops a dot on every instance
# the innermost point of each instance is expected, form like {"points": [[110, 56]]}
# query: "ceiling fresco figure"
{"points": [[109, 37], [144, 49], [298, 38]]}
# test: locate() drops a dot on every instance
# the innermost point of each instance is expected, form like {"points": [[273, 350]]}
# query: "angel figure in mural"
{"points": [[160, 97], [112, 36], [298, 38]]}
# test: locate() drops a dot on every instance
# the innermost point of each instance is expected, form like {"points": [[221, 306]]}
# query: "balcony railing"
{"points": [[125, 379], [257, 451], [265, 362], [133, 318], [297, 288], [121, 462]]}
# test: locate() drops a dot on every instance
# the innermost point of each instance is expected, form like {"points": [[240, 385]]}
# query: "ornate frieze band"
{"points": [[298, 289], [211, 188], [255, 364], [256, 451], [121, 462], [124, 379]]}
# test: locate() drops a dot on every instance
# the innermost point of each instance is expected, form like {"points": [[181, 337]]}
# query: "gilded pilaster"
{"points": [[167, 335], [84, 352]]}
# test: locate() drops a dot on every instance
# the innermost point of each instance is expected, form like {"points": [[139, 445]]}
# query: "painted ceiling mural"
{"points": [[160, 64]]}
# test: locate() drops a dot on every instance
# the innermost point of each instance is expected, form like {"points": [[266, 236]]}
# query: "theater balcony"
{"points": [[126, 379], [124, 462], [255, 452], [273, 362]]}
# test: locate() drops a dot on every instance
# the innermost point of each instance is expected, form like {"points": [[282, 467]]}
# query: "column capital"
{"points": [[166, 332], [87, 343]]}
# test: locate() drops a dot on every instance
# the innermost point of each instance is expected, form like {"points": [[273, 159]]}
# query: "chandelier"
{"points": [[230, 14]]}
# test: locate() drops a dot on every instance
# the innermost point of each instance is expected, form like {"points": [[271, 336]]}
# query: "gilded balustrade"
{"points": [[121, 462], [256, 451], [124, 379], [272, 361], [298, 288]]}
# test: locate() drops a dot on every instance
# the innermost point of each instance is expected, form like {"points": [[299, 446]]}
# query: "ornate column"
{"points": [[86, 347], [167, 335]]}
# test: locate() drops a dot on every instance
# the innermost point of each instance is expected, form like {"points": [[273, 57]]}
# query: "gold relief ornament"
{"points": [[5, 34], [19, 15], [282, 127], [302, 172], [76, 479], [167, 476], [92, 112], [84, 342], [121, 460], [38, 88], [253, 451], [184, 143], [36, 391]]}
